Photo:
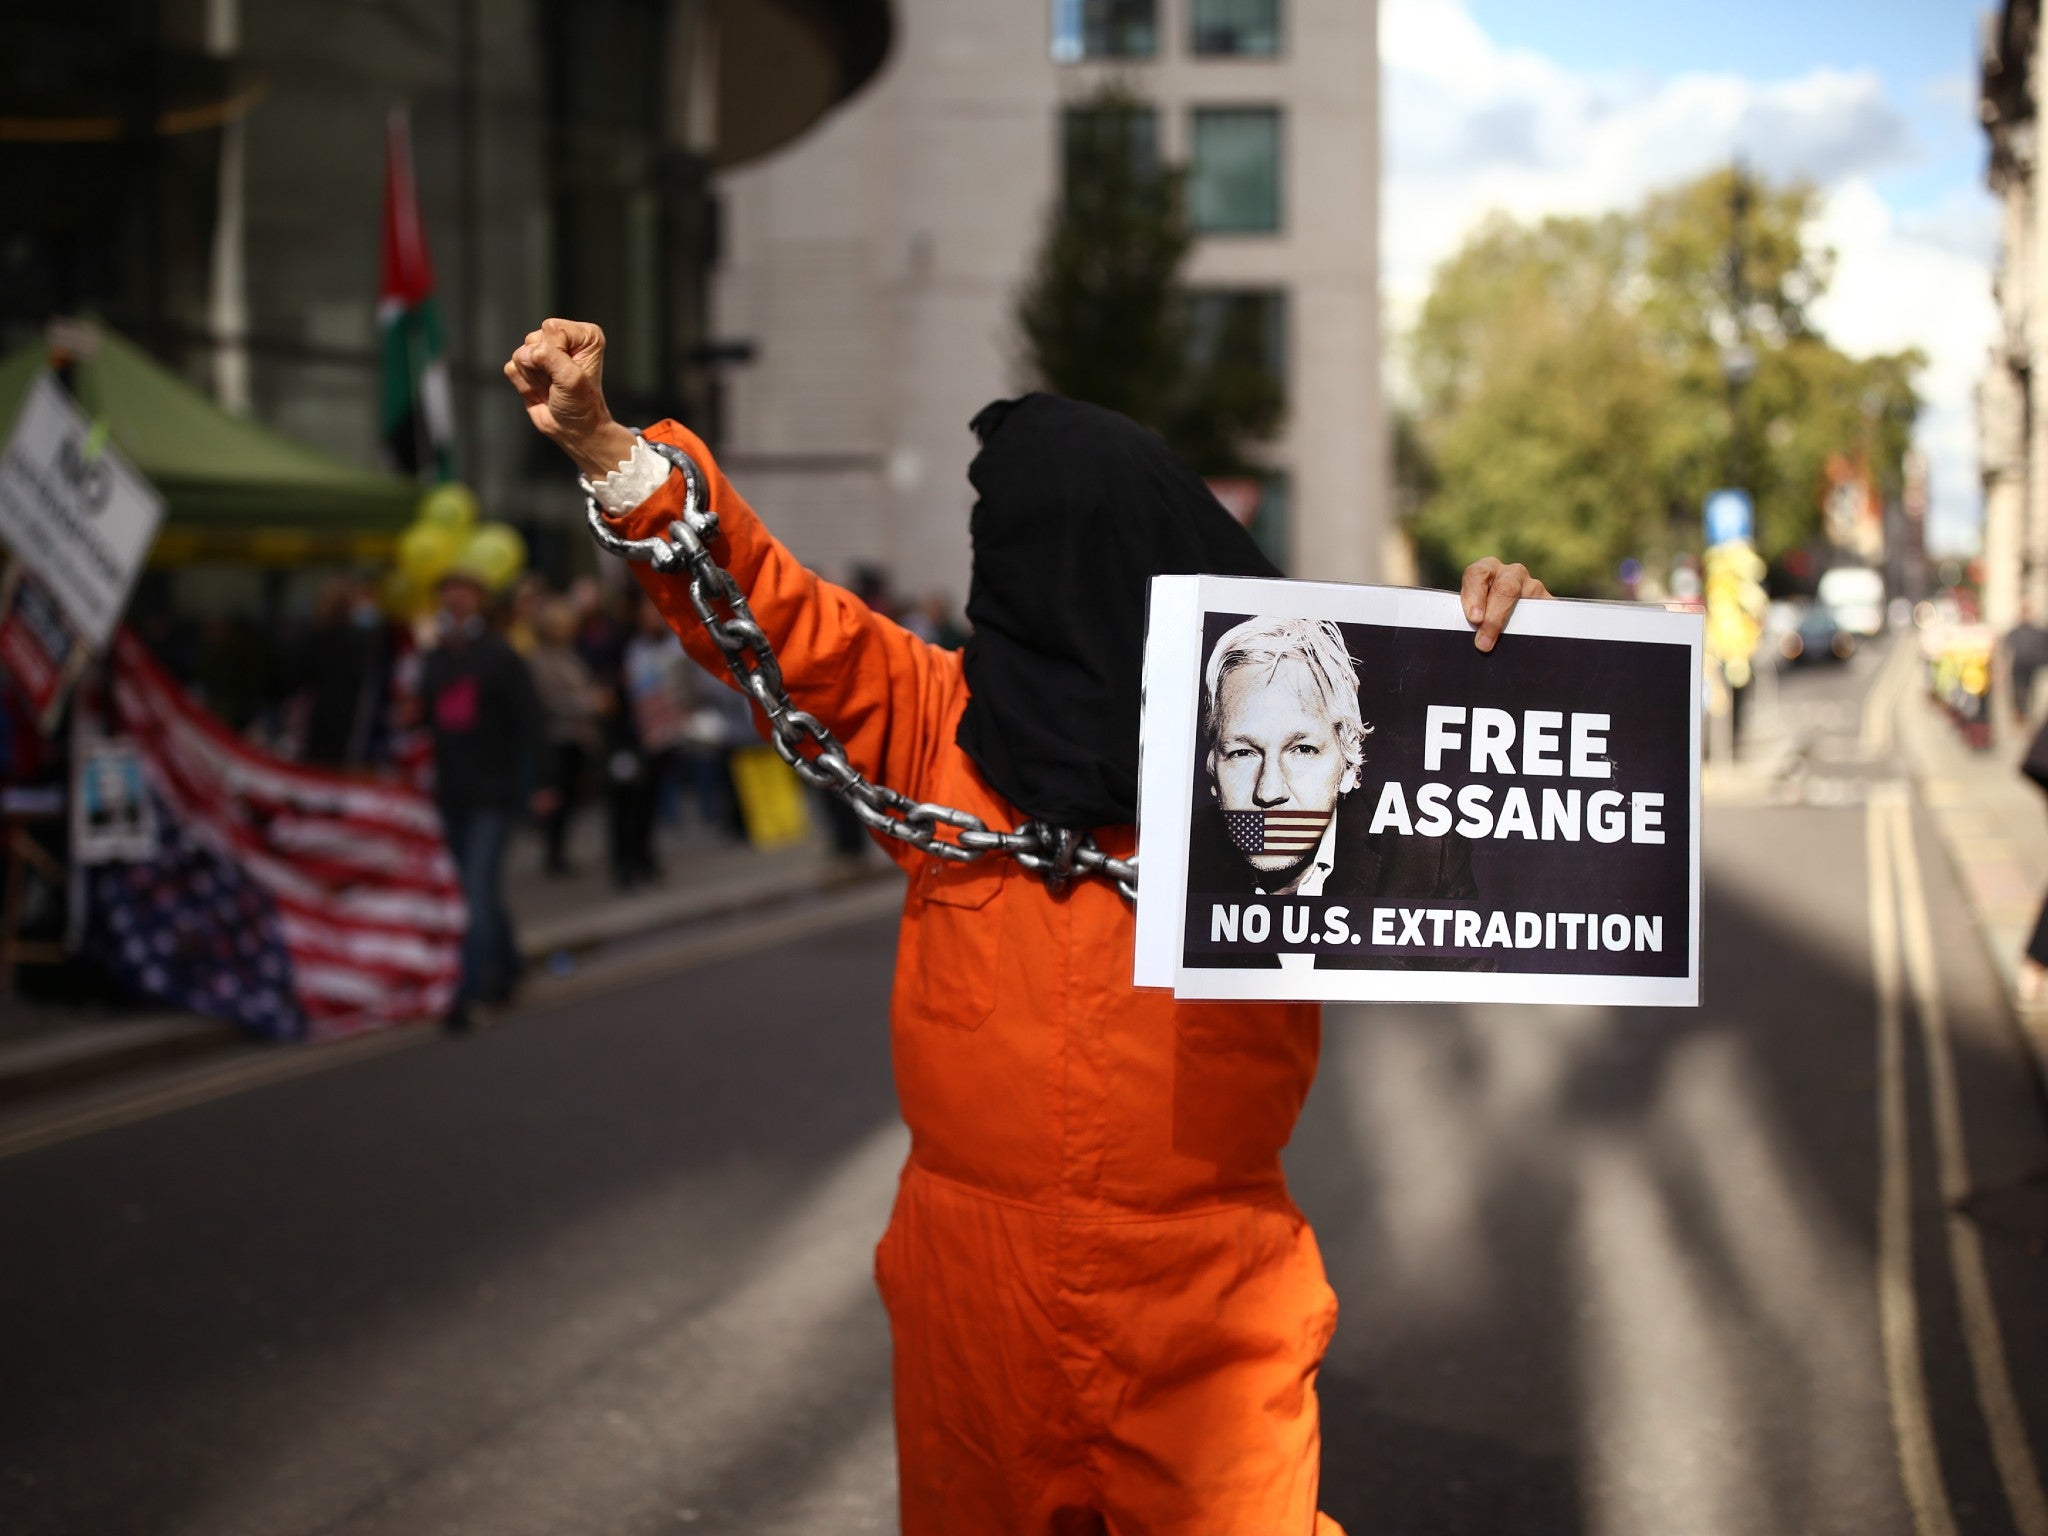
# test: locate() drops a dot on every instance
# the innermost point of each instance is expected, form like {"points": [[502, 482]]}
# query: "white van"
{"points": [[1854, 594]]}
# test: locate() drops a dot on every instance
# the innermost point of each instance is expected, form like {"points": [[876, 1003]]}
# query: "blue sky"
{"points": [[1581, 105], [1926, 55]]}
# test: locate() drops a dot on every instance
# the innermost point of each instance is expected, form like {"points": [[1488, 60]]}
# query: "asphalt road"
{"points": [[1777, 1265]]}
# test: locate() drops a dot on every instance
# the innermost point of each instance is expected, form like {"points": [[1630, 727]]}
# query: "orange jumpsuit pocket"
{"points": [[957, 928]]}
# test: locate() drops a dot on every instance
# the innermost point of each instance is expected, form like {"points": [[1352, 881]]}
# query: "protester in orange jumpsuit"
{"points": [[1107, 1314]]}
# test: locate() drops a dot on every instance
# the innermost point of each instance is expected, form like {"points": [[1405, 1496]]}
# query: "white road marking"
{"points": [[1898, 1306], [1981, 1334], [1881, 702], [197, 1085]]}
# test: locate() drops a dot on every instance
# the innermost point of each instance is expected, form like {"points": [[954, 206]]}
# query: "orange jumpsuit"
{"points": [[1107, 1314]]}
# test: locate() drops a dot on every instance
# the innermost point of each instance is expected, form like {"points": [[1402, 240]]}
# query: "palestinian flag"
{"points": [[418, 415]]}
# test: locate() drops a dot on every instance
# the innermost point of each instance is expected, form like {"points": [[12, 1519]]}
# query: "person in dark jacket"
{"points": [[479, 703], [345, 671], [2026, 657]]}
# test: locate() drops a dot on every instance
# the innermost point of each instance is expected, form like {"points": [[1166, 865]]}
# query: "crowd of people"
{"points": [[622, 719], [533, 704]]}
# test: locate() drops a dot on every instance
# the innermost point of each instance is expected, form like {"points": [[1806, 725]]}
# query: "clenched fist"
{"points": [[559, 373]]}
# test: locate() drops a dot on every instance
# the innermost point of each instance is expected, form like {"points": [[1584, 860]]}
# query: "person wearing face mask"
{"points": [[478, 702], [1106, 1312], [345, 664]]}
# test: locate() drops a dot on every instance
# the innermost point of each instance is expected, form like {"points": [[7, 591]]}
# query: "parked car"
{"points": [[1816, 637]]}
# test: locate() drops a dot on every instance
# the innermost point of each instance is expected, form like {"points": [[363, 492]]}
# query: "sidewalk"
{"points": [[1995, 825], [707, 877], [1767, 768]]}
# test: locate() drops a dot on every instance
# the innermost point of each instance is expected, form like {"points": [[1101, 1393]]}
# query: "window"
{"points": [[1240, 27], [1103, 29], [1092, 133], [1239, 327], [1234, 185]]}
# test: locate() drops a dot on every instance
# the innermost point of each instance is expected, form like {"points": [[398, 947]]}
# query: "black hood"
{"points": [[1079, 508]]}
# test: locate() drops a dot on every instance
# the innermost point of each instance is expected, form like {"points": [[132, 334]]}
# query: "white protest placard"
{"points": [[113, 818], [74, 511], [1343, 798]]}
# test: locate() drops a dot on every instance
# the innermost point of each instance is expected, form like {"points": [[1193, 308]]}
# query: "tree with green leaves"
{"points": [[1106, 317], [1582, 384]]}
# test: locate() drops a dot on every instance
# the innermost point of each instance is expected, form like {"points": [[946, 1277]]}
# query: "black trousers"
{"points": [[565, 777], [631, 804]]}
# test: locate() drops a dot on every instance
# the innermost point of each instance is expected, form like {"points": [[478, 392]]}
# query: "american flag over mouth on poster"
{"points": [[1294, 832], [288, 901]]}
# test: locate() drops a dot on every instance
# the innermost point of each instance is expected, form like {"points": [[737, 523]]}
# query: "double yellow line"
{"points": [[1902, 953]]}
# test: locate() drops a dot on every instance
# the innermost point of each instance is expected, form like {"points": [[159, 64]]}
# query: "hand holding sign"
{"points": [[1346, 798], [1489, 593]]}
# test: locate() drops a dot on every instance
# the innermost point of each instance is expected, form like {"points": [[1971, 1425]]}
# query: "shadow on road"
{"points": [[386, 1261], [1613, 1271], [1601, 1271]]}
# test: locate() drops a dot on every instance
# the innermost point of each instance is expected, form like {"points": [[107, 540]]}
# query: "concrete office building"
{"points": [[872, 270], [207, 176]]}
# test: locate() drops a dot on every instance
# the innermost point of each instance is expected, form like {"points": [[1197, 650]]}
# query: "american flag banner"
{"points": [[185, 926], [1289, 832], [344, 881]]}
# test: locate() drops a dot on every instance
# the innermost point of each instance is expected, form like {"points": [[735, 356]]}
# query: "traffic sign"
{"points": [[1730, 516]]}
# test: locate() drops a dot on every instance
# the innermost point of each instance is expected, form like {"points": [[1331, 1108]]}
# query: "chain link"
{"points": [[1057, 855]]}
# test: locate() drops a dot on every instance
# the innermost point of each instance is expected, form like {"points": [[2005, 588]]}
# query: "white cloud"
{"points": [[1893, 289], [1964, 220], [1955, 93], [1472, 127]]}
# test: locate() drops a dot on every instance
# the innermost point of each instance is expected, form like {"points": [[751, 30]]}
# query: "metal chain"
{"points": [[1055, 854]]}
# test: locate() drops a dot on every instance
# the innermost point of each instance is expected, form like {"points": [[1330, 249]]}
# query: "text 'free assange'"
{"points": [[1552, 745]]}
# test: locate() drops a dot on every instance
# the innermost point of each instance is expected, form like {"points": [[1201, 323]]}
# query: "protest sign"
{"points": [[113, 819], [73, 511], [1343, 798], [39, 650]]}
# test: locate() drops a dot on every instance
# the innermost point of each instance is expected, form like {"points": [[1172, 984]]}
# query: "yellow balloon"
{"points": [[425, 551], [450, 505], [494, 553]]}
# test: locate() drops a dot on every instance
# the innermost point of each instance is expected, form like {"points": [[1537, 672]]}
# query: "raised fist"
{"points": [[559, 373]]}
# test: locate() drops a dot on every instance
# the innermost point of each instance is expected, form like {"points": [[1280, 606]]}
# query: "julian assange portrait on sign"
{"points": [[1283, 753]]}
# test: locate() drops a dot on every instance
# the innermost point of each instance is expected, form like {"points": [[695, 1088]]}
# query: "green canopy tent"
{"points": [[233, 489]]}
